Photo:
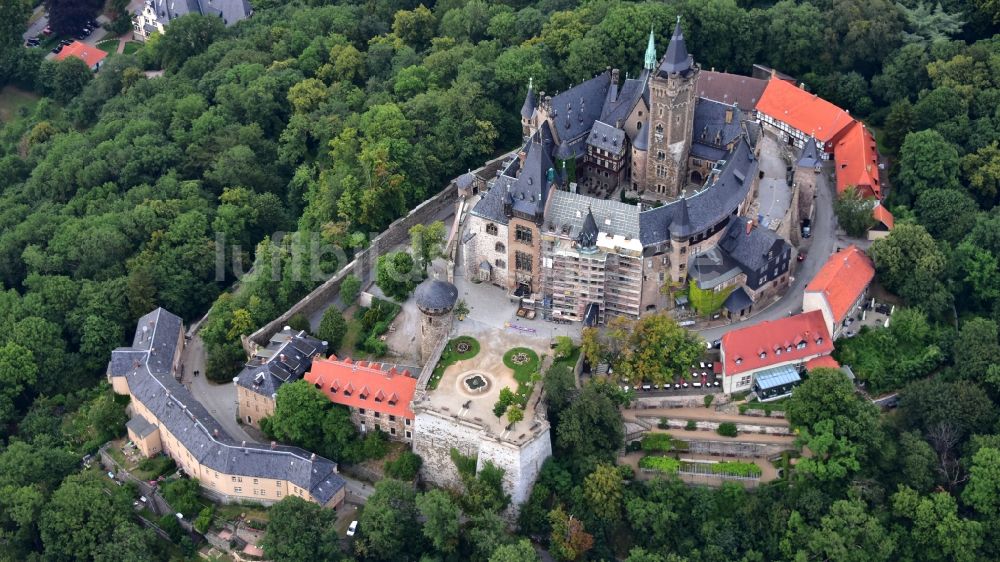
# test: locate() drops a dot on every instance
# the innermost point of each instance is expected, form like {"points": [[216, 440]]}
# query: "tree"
{"points": [[350, 286], [300, 530], [603, 491], [441, 520], [590, 428], [928, 403], [926, 161], [947, 214], [929, 23], [981, 170], [917, 462], [854, 212], [396, 275], [67, 17], [17, 374], [801, 26], [81, 517], [389, 523], [184, 496], [13, 16], [332, 328], [570, 541], [415, 27], [514, 414], [426, 241], [936, 533], [187, 36], [64, 80], [299, 322], [833, 458], [521, 551], [405, 467], [909, 263], [977, 348], [847, 533], [657, 350], [305, 417], [983, 490], [560, 387], [590, 346], [564, 347]]}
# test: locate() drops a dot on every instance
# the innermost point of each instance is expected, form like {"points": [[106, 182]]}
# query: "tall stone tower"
{"points": [[528, 110], [672, 95], [435, 299]]}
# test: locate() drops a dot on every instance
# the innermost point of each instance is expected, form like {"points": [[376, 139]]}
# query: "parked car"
{"points": [[57, 49], [801, 257], [352, 528], [47, 30]]}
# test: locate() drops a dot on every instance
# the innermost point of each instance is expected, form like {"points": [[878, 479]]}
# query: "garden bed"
{"points": [[524, 363], [458, 349]]}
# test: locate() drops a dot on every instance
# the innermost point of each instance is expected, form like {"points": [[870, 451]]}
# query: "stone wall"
{"points": [[742, 427], [437, 433]]}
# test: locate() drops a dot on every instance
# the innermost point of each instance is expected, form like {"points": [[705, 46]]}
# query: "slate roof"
{"points": [[465, 180], [285, 359], [712, 268], [563, 151], [140, 426], [607, 137], [737, 300], [617, 108], [712, 133], [230, 11], [528, 109], [706, 208], [435, 294], [570, 210], [529, 191], [490, 205], [748, 249], [152, 383], [730, 88], [809, 156], [588, 232], [575, 110], [676, 59]]}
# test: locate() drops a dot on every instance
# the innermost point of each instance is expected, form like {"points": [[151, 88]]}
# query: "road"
{"points": [[819, 247], [218, 399], [36, 28]]}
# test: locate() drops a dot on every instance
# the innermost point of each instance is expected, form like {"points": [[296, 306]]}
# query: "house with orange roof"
{"points": [[856, 157], [379, 396], [87, 53], [772, 352], [798, 115], [839, 288], [884, 221]]}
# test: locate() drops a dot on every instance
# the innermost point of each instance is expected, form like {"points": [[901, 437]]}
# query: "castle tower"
{"points": [[528, 110], [672, 95], [435, 299]]}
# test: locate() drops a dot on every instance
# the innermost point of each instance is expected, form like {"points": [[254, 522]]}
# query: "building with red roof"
{"points": [[87, 53], [884, 221], [800, 115], [378, 397], [839, 287], [856, 156], [772, 345], [822, 362]]}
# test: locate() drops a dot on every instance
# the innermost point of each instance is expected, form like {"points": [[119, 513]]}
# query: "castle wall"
{"points": [[483, 247]]}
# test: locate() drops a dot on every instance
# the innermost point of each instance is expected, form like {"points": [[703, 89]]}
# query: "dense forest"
{"points": [[325, 121]]}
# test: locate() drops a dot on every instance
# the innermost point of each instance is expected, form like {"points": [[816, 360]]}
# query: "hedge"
{"points": [[667, 465]]}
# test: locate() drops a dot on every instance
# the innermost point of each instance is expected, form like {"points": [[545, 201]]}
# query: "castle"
{"points": [[549, 231]]}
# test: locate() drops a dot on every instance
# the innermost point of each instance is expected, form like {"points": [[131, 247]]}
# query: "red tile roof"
{"points": [[87, 53], [801, 110], [857, 161], [842, 280], [883, 216], [824, 361], [362, 385], [773, 339]]}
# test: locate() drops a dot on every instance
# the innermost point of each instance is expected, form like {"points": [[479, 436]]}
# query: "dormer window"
{"points": [[788, 349], [763, 354], [777, 351], [739, 360], [801, 345], [819, 341]]}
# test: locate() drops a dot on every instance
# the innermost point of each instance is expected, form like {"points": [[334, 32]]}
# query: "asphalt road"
{"points": [[818, 248], [36, 28]]}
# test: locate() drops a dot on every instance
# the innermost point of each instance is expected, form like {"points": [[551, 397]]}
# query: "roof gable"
{"points": [[363, 385], [808, 113], [842, 280], [856, 157], [795, 338], [87, 53]]}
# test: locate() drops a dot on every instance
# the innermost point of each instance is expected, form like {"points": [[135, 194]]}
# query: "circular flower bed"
{"points": [[524, 363], [463, 347], [520, 358]]}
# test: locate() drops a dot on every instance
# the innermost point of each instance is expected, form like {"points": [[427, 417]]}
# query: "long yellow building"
{"points": [[167, 418]]}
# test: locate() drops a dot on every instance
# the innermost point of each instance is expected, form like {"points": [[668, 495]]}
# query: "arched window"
{"points": [[500, 247], [638, 125], [491, 229]]}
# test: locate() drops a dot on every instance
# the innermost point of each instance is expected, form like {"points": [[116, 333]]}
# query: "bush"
{"points": [[736, 468], [660, 464], [662, 424], [204, 520], [299, 322], [184, 496], [633, 446], [657, 442], [332, 328], [349, 289], [708, 400], [691, 425], [405, 467], [375, 445], [172, 526], [727, 429], [157, 466]]}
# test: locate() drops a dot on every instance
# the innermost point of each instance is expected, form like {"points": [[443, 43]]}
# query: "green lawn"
{"points": [[132, 47], [14, 101], [522, 371], [109, 46], [451, 355]]}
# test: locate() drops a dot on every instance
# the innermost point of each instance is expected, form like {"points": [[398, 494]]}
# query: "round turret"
{"points": [[435, 297]]}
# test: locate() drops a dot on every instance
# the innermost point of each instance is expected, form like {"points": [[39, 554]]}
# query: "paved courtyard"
{"points": [[775, 195]]}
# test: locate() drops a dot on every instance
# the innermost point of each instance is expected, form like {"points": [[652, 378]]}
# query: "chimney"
{"points": [[281, 357], [729, 116], [802, 85], [274, 444], [312, 457], [749, 227], [215, 432], [774, 73], [614, 76]]}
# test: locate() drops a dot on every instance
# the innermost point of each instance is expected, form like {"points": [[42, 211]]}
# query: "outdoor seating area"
{"points": [[701, 377]]}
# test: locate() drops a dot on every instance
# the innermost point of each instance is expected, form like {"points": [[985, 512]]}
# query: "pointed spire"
{"points": [[588, 233], [529, 101], [809, 157], [650, 63], [676, 60]]}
